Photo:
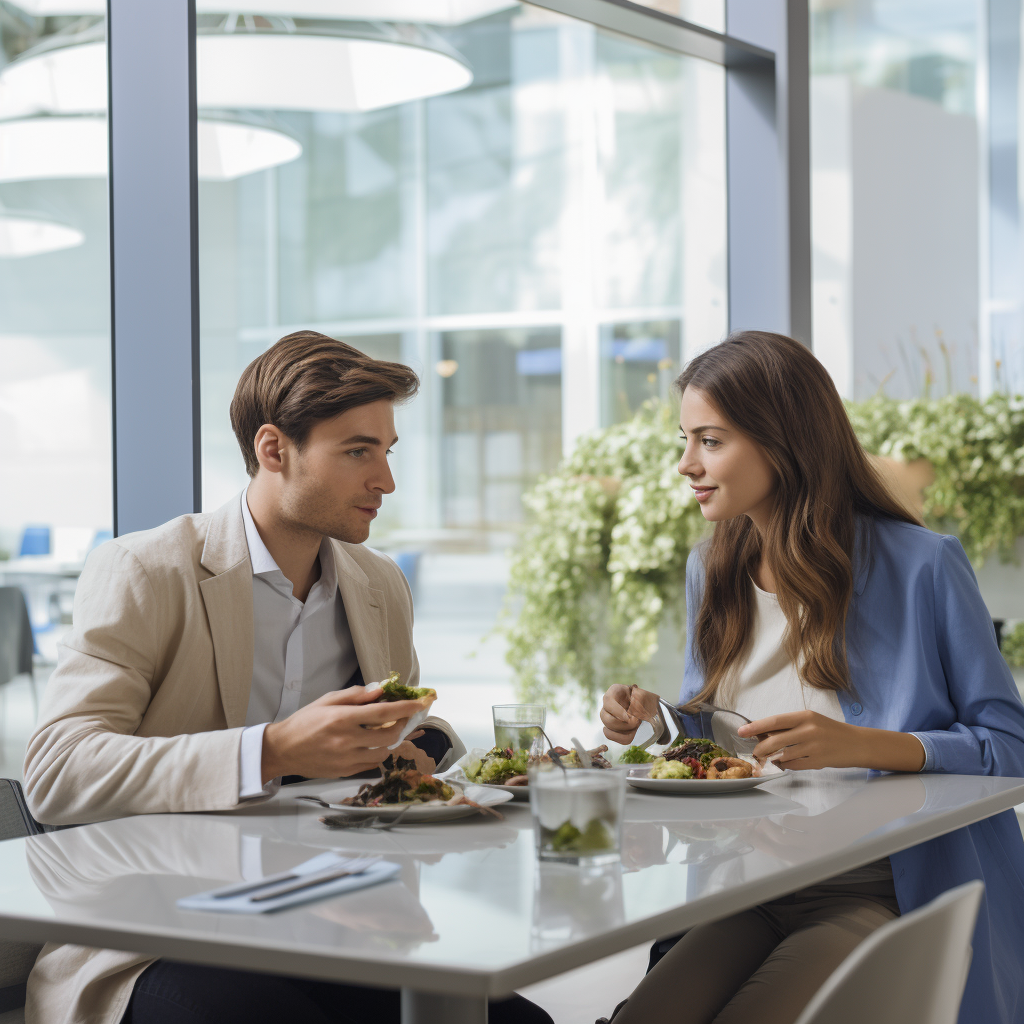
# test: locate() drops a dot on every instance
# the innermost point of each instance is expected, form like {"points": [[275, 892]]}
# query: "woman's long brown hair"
{"points": [[774, 391]]}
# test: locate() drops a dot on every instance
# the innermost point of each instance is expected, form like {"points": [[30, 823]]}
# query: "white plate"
{"points": [[458, 778], [707, 787], [486, 796], [515, 792]]}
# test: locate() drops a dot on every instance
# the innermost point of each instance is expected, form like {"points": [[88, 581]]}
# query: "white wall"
{"points": [[895, 231]]}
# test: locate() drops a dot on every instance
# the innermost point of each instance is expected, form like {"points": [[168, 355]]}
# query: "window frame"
{"points": [[153, 195]]}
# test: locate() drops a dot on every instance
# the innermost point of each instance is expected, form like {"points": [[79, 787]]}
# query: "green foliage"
{"points": [[604, 556], [1013, 646], [977, 450]]}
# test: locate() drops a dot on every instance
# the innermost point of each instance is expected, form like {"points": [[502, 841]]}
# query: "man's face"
{"points": [[335, 484]]}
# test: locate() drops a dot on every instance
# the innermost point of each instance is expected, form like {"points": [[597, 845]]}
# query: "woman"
{"points": [[851, 636]]}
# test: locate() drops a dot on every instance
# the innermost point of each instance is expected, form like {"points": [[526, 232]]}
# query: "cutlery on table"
{"points": [[356, 867], [284, 876], [374, 822]]}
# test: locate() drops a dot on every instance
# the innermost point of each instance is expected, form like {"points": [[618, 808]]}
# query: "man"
{"points": [[217, 655]]}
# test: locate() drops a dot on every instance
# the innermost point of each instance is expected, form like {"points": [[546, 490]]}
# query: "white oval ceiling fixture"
{"points": [[36, 148], [28, 234], [431, 12], [247, 71], [232, 149]]}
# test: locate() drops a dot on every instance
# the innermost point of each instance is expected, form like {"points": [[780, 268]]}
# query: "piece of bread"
{"points": [[393, 690], [729, 768]]}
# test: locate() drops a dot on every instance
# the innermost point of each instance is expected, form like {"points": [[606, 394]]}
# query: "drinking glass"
{"points": [[577, 815], [517, 725]]}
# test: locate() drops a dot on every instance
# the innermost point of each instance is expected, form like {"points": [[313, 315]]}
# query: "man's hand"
{"points": [[804, 739], [328, 738], [619, 725]]}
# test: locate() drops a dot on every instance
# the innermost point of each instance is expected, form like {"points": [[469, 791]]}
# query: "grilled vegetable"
{"points": [[404, 785]]}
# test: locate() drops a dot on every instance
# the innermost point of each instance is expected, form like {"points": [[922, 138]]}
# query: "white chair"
{"points": [[909, 971]]}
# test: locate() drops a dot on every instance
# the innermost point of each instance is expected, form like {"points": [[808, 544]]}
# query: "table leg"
{"points": [[431, 1008]]}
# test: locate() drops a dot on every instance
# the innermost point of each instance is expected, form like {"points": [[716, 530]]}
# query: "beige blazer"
{"points": [[145, 710]]}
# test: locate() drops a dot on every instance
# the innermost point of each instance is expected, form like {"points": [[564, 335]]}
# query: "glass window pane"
{"points": [[894, 139], [506, 233], [708, 13], [54, 329]]}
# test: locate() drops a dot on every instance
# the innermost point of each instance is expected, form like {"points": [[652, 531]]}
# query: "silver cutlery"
{"points": [[371, 822], [356, 867], [228, 891]]}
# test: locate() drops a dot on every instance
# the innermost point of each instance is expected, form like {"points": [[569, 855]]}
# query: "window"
{"points": [[54, 331], [556, 201]]}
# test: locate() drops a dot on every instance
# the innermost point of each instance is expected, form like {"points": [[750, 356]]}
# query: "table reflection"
{"points": [[135, 868], [571, 902]]}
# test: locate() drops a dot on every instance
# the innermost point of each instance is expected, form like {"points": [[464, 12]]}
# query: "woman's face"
{"points": [[729, 474]]}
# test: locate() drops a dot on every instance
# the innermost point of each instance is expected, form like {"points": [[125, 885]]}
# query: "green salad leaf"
{"points": [[635, 755], [497, 766]]}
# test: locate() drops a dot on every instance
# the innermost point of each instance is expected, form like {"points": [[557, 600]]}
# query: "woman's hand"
{"points": [[619, 725], [802, 740]]}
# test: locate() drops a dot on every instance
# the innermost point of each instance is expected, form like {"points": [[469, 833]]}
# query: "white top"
{"points": [[768, 682], [301, 650]]}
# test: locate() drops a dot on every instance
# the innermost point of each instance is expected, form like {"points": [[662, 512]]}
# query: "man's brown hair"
{"points": [[306, 377]]}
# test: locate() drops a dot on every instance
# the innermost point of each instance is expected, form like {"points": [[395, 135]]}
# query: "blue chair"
{"points": [[102, 536], [409, 563], [35, 540]]}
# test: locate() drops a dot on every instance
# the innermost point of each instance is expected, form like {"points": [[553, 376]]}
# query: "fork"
{"points": [[340, 821]]}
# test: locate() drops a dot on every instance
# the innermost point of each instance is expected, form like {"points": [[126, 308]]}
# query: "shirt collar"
{"points": [[263, 561]]}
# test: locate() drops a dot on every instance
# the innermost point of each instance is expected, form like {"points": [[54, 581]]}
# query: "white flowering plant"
{"points": [[603, 559]]}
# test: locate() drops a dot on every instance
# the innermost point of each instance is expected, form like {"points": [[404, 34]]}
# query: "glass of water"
{"points": [[577, 815], [517, 725]]}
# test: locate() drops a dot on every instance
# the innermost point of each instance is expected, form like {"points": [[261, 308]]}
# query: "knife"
{"points": [[311, 880]]}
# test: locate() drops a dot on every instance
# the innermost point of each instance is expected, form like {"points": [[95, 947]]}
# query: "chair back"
{"points": [[910, 971], [35, 540], [16, 958], [16, 643]]}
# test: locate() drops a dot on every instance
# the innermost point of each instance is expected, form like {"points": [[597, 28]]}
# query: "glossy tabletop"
{"points": [[471, 913]]}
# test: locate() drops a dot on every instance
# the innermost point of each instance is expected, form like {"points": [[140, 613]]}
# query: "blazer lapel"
{"points": [[367, 621], [227, 595]]}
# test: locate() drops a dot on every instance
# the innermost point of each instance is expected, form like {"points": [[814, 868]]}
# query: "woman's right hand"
{"points": [[619, 725]]}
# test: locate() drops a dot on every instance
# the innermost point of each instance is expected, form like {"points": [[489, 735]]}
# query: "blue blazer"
{"points": [[923, 658]]}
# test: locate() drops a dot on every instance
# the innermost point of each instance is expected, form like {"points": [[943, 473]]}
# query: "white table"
{"points": [[472, 915]]}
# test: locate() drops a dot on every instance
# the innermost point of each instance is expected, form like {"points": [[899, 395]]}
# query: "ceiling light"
{"points": [[366, 69], [231, 149], [432, 12], [76, 147], [316, 72], [28, 234]]}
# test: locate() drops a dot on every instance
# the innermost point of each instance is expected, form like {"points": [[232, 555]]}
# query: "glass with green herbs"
{"points": [[516, 726], [577, 814]]}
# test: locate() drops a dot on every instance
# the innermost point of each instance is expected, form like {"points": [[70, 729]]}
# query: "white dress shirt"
{"points": [[301, 650]]}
